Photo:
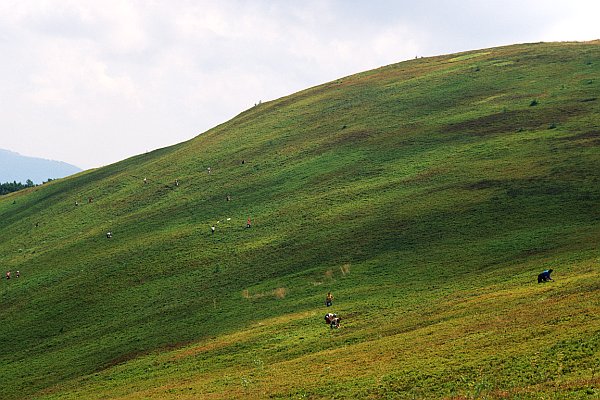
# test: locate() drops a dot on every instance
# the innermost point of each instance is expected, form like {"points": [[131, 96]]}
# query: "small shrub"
{"points": [[280, 292], [533, 103], [246, 382], [345, 269]]}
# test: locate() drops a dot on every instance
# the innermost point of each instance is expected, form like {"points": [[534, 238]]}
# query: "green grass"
{"points": [[427, 195]]}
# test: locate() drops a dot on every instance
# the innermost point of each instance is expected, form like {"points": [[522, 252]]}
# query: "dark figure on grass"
{"points": [[545, 276], [329, 299]]}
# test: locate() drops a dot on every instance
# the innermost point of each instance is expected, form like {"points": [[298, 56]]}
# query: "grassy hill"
{"points": [[426, 195]]}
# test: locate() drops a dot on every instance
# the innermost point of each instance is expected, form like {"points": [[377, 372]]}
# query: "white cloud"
{"points": [[73, 76], [578, 21]]}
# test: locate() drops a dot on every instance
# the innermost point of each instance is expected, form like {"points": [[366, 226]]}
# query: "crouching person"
{"points": [[332, 320], [545, 276], [335, 322]]}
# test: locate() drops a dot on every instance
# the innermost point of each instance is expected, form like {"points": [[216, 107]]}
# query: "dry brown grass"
{"points": [[345, 269], [278, 293]]}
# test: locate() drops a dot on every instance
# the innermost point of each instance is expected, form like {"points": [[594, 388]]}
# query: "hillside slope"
{"points": [[427, 195]]}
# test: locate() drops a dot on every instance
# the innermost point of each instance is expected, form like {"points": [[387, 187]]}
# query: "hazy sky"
{"points": [[94, 82]]}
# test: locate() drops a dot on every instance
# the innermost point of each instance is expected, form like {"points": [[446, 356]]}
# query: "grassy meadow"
{"points": [[426, 195]]}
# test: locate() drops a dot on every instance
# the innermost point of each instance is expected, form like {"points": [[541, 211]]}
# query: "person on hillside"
{"points": [[145, 181], [7, 274], [90, 199], [248, 223], [76, 203], [228, 198], [17, 274], [545, 276], [212, 229], [329, 299], [332, 320], [209, 170], [176, 182], [109, 235], [335, 322]]}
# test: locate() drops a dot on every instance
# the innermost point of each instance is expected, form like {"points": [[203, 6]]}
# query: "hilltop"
{"points": [[426, 195], [15, 167]]}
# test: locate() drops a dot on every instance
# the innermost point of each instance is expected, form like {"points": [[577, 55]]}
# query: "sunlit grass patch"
{"points": [[469, 56]]}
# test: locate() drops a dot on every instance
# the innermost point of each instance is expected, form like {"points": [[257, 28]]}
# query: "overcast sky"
{"points": [[94, 82]]}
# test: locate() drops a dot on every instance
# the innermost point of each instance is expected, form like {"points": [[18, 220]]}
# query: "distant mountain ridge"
{"points": [[16, 167]]}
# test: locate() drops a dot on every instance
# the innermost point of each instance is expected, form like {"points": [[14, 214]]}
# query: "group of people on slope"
{"points": [[8, 274], [331, 319], [213, 228]]}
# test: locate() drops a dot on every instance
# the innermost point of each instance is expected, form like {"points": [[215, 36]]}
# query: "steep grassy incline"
{"points": [[427, 195]]}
